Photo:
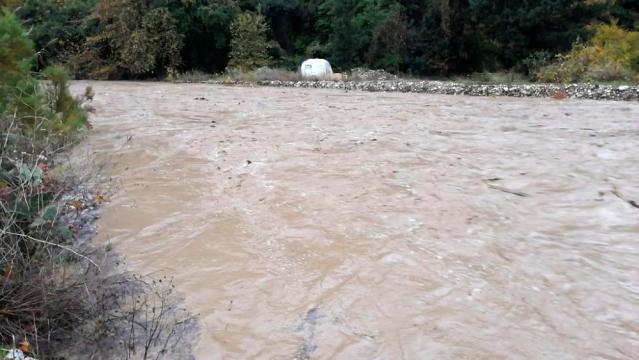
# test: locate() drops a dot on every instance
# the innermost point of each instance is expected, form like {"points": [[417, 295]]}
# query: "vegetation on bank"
{"points": [[132, 39], [611, 55], [59, 296]]}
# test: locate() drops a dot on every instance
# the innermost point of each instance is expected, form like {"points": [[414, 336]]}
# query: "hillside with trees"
{"points": [[122, 39]]}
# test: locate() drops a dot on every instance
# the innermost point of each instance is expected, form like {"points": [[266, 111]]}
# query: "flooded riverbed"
{"points": [[321, 224]]}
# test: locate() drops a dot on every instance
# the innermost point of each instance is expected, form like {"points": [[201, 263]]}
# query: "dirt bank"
{"points": [[309, 222]]}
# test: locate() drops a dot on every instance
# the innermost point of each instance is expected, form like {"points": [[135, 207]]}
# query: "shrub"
{"points": [[534, 62], [67, 115], [611, 55]]}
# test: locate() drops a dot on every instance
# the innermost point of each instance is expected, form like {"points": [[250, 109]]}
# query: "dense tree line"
{"points": [[144, 38]]}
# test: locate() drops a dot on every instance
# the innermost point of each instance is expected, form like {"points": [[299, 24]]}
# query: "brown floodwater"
{"points": [[325, 224]]}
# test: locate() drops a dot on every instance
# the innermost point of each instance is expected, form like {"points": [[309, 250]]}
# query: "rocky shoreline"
{"points": [[575, 91]]}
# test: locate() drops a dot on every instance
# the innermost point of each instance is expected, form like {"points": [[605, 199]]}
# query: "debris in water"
{"points": [[632, 203], [308, 347], [17, 354], [503, 189]]}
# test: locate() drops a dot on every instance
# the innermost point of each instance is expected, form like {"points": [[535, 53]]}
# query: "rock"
{"points": [[17, 354], [363, 74]]}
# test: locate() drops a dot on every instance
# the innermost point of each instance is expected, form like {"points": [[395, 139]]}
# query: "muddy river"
{"points": [[322, 224]]}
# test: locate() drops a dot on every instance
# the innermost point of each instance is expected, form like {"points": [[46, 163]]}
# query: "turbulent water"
{"points": [[324, 224]]}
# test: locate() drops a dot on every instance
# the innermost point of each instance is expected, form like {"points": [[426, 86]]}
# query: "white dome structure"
{"points": [[316, 68]]}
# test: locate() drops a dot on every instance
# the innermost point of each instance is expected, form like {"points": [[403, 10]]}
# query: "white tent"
{"points": [[316, 68]]}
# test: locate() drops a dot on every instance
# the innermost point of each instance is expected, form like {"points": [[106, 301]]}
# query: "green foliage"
{"points": [[135, 38], [364, 32], [38, 110], [35, 120], [249, 44], [154, 46], [16, 54], [611, 55], [67, 113], [115, 39], [206, 27], [534, 62], [520, 28], [387, 49], [625, 13], [57, 28]]}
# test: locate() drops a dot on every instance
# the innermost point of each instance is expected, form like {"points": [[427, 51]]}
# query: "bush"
{"points": [[67, 114], [611, 55], [534, 62]]}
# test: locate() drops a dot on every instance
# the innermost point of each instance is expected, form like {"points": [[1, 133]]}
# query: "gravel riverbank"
{"points": [[576, 91]]}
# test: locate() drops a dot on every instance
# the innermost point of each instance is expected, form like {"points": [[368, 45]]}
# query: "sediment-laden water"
{"points": [[306, 223]]}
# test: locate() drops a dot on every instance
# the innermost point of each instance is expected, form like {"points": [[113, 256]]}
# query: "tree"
{"points": [[626, 13], [387, 49], [55, 27], [519, 29], [364, 33], [205, 25], [21, 94], [154, 46], [136, 38], [249, 44], [611, 55], [17, 86], [141, 38]]}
